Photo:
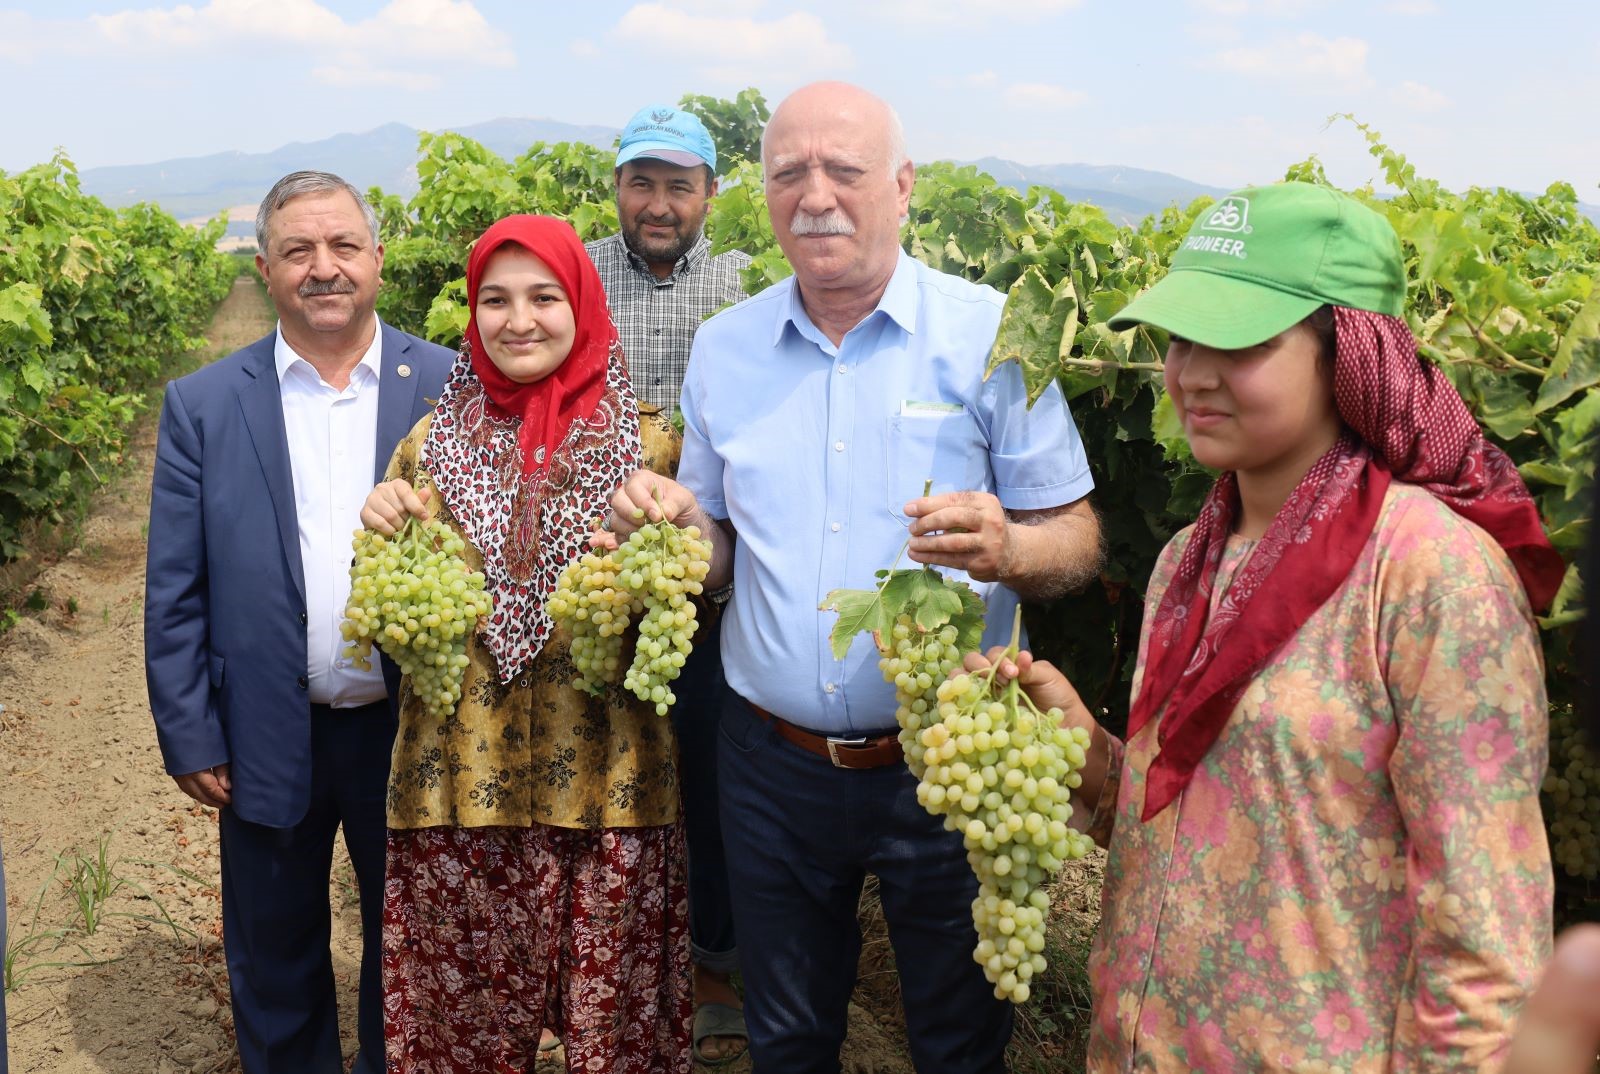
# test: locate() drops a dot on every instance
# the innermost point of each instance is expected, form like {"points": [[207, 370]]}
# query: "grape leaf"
{"points": [[937, 608], [969, 624], [859, 610], [1037, 328], [931, 599]]}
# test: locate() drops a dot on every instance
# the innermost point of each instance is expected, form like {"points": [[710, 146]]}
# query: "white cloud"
{"points": [[977, 80], [1411, 7], [359, 76], [722, 7], [1420, 98], [403, 33], [737, 49], [583, 48], [1269, 8], [1043, 95], [1303, 58], [915, 14]]}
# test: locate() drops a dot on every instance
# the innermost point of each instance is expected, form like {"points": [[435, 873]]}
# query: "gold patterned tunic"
{"points": [[533, 750]]}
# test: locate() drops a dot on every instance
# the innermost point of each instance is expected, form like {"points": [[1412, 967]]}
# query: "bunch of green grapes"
{"points": [[413, 595], [650, 578], [1001, 773], [1572, 789], [915, 663], [597, 609]]}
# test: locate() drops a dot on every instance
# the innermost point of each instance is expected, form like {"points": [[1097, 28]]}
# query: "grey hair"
{"points": [[897, 142], [298, 184]]}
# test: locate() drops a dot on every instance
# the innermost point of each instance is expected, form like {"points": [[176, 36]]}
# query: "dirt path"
{"points": [[145, 991], [79, 770]]}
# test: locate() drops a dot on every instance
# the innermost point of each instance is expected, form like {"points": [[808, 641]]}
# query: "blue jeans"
{"points": [[695, 717], [801, 837]]}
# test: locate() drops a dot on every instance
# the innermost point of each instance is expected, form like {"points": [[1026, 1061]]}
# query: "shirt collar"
{"points": [[284, 356], [898, 303], [686, 263]]}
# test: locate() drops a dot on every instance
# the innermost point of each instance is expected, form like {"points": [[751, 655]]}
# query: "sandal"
{"points": [[718, 1020]]}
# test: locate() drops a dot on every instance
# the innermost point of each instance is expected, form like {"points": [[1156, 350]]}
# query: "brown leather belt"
{"points": [[857, 753]]}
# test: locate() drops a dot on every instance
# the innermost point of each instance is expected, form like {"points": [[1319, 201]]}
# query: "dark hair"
{"points": [[711, 174], [1325, 328]]}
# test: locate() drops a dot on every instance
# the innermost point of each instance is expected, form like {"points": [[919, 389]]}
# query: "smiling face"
{"points": [[523, 315], [662, 208], [321, 267], [1264, 412], [835, 199]]}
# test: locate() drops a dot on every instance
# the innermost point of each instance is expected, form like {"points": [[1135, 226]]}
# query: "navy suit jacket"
{"points": [[225, 611]]}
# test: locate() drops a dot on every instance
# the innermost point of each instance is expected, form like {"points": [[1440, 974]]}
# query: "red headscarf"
{"points": [[525, 468], [550, 405], [1404, 418]]}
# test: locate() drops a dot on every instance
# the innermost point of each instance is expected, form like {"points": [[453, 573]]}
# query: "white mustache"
{"points": [[832, 222]]}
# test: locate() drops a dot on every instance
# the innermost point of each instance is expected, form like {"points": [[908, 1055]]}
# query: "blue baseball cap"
{"points": [[667, 133]]}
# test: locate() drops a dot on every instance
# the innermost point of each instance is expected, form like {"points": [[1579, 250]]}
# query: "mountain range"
{"points": [[196, 188]]}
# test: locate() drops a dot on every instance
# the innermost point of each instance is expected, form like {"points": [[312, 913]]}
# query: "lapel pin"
{"points": [[404, 371]]}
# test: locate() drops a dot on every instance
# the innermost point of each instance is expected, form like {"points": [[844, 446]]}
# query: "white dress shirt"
{"points": [[332, 440]]}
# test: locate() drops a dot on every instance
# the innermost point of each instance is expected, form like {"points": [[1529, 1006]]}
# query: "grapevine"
{"points": [[648, 579], [413, 595]]}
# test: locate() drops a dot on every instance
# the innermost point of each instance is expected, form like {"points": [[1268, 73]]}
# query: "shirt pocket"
{"points": [[947, 448]]}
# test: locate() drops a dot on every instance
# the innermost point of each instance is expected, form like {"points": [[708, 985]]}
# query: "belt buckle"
{"points": [[835, 743]]}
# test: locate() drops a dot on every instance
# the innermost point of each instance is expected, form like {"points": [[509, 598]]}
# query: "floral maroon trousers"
{"points": [[492, 934]]}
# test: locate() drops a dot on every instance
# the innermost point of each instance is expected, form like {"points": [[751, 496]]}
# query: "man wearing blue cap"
{"points": [[661, 281]]}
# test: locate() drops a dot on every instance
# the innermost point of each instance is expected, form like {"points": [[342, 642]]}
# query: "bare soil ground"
{"points": [[114, 941]]}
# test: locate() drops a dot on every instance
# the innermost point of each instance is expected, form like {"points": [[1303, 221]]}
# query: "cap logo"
{"points": [[661, 115], [1231, 214]]}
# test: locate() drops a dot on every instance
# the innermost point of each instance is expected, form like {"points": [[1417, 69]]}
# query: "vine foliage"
{"points": [[1503, 296], [95, 304]]}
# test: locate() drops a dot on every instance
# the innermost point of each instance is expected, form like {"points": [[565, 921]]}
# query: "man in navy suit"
{"points": [[264, 461]]}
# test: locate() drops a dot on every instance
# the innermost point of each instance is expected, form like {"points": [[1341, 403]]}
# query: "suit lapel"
{"points": [[399, 396], [262, 404]]}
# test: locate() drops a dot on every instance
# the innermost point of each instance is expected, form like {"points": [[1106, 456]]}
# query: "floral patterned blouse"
{"points": [[534, 750], [1357, 878]]}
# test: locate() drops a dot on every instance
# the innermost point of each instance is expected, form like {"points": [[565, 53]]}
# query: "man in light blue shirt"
{"points": [[813, 414]]}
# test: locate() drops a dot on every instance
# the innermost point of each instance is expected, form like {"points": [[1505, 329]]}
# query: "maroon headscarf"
{"points": [[1404, 419]]}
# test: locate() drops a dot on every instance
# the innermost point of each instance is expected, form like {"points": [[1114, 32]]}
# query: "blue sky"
{"points": [[1218, 91]]}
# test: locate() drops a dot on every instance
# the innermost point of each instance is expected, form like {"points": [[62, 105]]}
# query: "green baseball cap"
{"points": [[1263, 259]]}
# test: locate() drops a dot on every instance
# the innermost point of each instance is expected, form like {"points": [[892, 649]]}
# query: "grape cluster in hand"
{"points": [[648, 580], [1001, 773], [413, 595]]}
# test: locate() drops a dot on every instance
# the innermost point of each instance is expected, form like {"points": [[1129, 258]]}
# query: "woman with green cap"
{"points": [[1326, 850]]}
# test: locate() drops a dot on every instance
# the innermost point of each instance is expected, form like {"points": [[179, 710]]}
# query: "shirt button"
{"points": [[844, 369], [302, 618], [302, 682], [838, 445], [829, 688], [835, 527]]}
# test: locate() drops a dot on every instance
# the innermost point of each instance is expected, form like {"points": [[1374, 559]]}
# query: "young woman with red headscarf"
{"points": [[1326, 850], [536, 871]]}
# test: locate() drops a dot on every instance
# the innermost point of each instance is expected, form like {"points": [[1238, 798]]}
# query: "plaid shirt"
{"points": [[657, 318]]}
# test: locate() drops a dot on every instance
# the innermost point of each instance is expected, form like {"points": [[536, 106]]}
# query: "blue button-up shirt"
{"points": [[811, 450]]}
